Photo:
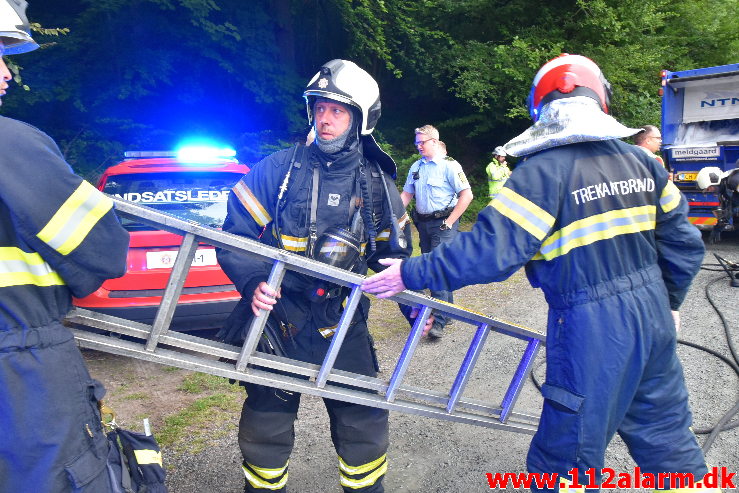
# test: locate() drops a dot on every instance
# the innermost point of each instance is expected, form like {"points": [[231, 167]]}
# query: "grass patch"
{"points": [[136, 396], [197, 383], [196, 420]]}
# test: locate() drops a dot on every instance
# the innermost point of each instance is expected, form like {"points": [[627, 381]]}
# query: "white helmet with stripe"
{"points": [[345, 82], [709, 176], [15, 31]]}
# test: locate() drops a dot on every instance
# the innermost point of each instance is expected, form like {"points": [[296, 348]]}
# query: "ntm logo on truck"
{"points": [[700, 127]]}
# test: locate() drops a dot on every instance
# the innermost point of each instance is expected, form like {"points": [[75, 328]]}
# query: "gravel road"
{"points": [[437, 456]]}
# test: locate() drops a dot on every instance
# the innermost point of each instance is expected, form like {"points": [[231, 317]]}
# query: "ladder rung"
{"points": [[338, 338], [522, 373], [470, 359], [405, 357], [173, 290]]}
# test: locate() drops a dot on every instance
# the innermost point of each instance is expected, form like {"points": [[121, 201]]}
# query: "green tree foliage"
{"points": [[144, 73]]}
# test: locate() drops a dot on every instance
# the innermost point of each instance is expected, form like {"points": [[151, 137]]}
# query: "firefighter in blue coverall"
{"points": [[331, 198], [603, 232], [58, 236]]}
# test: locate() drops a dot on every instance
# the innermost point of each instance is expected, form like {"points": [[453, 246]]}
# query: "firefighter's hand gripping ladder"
{"points": [[215, 358]]}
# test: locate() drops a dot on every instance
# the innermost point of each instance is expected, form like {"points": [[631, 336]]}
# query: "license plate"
{"points": [[165, 259], [687, 176]]}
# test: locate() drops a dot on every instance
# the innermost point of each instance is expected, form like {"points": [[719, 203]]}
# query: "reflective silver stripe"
{"points": [[73, 221], [670, 197], [19, 268]]}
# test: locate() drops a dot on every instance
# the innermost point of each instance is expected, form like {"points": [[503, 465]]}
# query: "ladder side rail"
{"points": [[172, 292], [314, 268], [210, 348], [405, 357], [261, 377], [468, 364], [525, 366], [276, 275], [338, 338]]}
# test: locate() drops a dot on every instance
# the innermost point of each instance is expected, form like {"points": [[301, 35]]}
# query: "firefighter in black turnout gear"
{"points": [[334, 201], [58, 236]]}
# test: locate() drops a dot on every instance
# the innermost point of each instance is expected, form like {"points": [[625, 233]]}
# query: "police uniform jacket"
{"points": [[569, 213], [435, 183], [252, 212]]}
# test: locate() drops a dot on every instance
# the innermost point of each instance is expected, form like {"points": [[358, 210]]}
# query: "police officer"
{"points": [[58, 237], [442, 194], [604, 233], [497, 171], [334, 201]]}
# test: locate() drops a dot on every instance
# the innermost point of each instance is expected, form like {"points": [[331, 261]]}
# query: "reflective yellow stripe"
{"points": [[523, 212], [703, 220], [75, 218], [328, 332], [368, 480], [565, 486], [267, 473], [670, 197], [148, 457], [258, 482], [251, 204], [294, 243], [595, 228], [20, 268], [403, 220], [364, 468], [383, 235]]}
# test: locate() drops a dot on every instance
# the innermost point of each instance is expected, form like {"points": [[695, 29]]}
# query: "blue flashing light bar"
{"points": [[197, 154]]}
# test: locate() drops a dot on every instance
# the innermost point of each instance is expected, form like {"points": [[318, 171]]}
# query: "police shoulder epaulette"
{"points": [[449, 158]]}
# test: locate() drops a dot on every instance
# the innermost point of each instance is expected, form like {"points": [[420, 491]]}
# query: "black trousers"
{"points": [[359, 433], [430, 236]]}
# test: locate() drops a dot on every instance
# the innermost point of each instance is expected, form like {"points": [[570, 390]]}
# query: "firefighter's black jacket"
{"points": [[252, 210]]}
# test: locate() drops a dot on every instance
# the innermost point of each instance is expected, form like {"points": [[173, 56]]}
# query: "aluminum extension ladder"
{"points": [[160, 345]]}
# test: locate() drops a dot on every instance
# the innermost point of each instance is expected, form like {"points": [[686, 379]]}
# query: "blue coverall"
{"points": [[59, 236], [604, 234]]}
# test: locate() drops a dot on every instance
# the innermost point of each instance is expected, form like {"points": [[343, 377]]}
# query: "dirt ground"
{"points": [[425, 454]]}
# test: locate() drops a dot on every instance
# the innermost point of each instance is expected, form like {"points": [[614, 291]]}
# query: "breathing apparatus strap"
{"points": [[282, 195], [397, 239], [313, 228], [367, 212]]}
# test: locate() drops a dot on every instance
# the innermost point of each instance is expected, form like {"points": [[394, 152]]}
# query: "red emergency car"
{"points": [[192, 185]]}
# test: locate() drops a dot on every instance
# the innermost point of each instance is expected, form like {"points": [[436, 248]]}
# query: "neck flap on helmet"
{"points": [[567, 121]]}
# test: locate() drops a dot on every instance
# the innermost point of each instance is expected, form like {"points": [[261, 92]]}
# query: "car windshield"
{"points": [[192, 196]]}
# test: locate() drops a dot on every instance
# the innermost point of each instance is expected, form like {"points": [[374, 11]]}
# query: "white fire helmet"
{"points": [[709, 176], [345, 82], [15, 31]]}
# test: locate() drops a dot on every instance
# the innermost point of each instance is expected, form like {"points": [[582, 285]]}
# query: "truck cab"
{"points": [[700, 128]]}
